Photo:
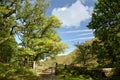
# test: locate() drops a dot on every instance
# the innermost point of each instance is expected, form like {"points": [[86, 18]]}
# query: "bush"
{"points": [[77, 73], [13, 72]]}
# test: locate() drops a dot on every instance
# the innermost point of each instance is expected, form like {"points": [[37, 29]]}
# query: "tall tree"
{"points": [[106, 23], [37, 32]]}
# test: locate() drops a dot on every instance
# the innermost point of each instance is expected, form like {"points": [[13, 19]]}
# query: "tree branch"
{"points": [[9, 14], [43, 32], [11, 32]]}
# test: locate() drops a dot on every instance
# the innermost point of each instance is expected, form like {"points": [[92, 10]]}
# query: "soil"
{"points": [[48, 75]]}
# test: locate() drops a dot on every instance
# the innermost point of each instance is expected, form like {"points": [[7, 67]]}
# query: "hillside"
{"points": [[64, 59], [67, 59]]}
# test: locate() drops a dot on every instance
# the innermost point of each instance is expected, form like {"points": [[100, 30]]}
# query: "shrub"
{"points": [[14, 72]]}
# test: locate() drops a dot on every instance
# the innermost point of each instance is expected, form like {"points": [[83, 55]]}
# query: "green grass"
{"points": [[81, 77]]}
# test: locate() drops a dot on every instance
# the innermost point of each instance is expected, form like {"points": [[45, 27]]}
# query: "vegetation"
{"points": [[61, 59], [14, 72], [85, 57], [81, 77], [105, 22], [104, 49], [25, 21]]}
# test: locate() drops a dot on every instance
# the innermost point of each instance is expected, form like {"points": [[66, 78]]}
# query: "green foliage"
{"points": [[8, 45], [38, 33], [105, 15], [73, 73], [85, 56], [106, 23], [26, 20], [81, 77], [14, 72], [8, 50]]}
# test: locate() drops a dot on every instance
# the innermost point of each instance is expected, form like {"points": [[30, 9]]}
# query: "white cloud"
{"points": [[83, 38], [76, 31], [85, 34], [73, 15]]}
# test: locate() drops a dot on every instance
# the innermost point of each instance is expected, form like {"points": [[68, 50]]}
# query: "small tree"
{"points": [[84, 55]]}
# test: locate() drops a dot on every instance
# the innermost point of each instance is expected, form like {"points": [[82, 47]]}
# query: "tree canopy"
{"points": [[106, 23], [26, 21]]}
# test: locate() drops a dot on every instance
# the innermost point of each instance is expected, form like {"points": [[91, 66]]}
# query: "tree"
{"points": [[37, 32], [85, 56], [39, 35], [26, 20], [8, 45], [106, 23]]}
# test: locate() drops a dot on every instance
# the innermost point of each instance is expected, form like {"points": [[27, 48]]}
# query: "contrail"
{"points": [[76, 31], [84, 38]]}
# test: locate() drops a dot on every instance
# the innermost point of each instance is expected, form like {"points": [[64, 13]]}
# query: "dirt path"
{"points": [[48, 75]]}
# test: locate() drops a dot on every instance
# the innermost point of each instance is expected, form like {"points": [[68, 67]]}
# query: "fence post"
{"points": [[34, 64], [56, 66]]}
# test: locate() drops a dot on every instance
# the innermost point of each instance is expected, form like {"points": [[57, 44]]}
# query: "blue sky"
{"points": [[75, 15]]}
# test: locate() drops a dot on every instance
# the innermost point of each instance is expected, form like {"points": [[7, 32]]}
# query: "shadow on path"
{"points": [[48, 75]]}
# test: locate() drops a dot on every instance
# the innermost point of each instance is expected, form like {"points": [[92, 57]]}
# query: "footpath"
{"points": [[48, 74]]}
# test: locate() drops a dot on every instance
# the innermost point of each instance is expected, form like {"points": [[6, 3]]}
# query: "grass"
{"points": [[81, 77]]}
